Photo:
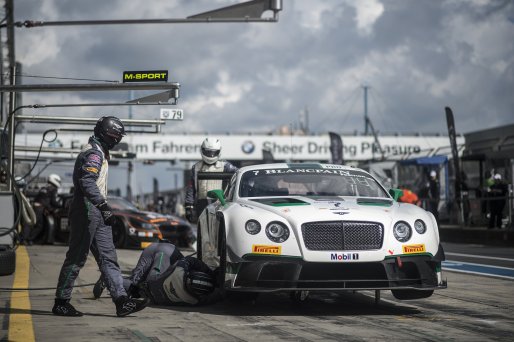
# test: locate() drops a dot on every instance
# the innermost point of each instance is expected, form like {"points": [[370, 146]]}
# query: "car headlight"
{"points": [[402, 231], [252, 227], [277, 231], [420, 226]]}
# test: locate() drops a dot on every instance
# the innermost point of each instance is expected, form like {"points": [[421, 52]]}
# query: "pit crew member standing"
{"points": [[196, 193], [165, 276], [91, 219]]}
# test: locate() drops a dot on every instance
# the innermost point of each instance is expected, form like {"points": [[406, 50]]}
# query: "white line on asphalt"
{"points": [[473, 264], [478, 273], [479, 256]]}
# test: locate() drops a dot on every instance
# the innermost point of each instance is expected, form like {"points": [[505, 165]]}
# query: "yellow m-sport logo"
{"points": [[145, 76]]}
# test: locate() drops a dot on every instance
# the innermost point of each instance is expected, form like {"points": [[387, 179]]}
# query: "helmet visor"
{"points": [[210, 153]]}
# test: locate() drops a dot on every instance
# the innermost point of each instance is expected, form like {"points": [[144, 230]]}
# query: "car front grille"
{"points": [[342, 235]]}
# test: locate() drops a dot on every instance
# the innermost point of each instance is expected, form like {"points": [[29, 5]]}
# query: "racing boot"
{"points": [[125, 305], [98, 288], [62, 307]]}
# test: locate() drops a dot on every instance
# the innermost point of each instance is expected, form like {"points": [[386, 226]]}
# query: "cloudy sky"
{"points": [[416, 56]]}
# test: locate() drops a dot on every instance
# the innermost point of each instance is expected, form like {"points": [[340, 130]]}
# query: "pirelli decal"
{"points": [[412, 249], [145, 76], [265, 249]]}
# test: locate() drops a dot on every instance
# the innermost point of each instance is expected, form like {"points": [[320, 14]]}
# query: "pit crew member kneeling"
{"points": [[166, 277]]}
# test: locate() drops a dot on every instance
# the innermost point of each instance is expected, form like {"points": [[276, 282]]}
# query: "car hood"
{"points": [[297, 209]]}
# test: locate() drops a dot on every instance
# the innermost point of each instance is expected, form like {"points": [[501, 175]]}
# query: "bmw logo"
{"points": [[248, 147]]}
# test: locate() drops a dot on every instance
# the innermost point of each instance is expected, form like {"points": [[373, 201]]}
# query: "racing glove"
{"points": [[190, 213], [107, 215]]}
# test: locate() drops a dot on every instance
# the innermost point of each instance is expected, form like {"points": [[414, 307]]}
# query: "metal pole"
{"points": [[365, 110], [38, 23], [89, 87], [73, 120], [10, 186]]}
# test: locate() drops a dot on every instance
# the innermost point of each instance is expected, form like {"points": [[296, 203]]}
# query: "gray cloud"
{"points": [[417, 57]]}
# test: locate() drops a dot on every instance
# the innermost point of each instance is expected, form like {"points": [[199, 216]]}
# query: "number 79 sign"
{"points": [[172, 114]]}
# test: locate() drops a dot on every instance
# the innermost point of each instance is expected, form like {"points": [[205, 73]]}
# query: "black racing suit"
{"points": [[45, 203], [498, 193], [196, 192], [160, 273], [88, 230], [433, 198]]}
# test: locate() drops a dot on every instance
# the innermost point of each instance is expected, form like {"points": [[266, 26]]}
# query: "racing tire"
{"points": [[119, 235], [7, 261], [411, 294], [199, 243]]}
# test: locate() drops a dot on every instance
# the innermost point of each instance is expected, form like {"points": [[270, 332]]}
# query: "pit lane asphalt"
{"points": [[473, 308]]}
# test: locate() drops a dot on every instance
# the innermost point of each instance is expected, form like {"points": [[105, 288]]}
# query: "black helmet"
{"points": [[110, 131], [199, 284]]}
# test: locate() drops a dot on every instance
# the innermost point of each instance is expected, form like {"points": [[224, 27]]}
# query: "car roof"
{"points": [[309, 165]]}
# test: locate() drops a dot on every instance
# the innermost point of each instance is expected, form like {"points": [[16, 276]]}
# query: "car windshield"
{"points": [[118, 203], [309, 182]]}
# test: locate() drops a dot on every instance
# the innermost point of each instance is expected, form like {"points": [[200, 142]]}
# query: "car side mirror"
{"points": [[396, 193], [217, 194]]}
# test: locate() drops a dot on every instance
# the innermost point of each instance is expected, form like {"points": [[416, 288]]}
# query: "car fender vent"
{"points": [[280, 202], [375, 201]]}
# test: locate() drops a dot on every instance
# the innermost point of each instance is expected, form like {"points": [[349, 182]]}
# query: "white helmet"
{"points": [[54, 180], [211, 148]]}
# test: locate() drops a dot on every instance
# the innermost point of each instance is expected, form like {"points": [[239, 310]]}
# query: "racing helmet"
{"points": [[211, 148], [55, 180], [199, 284], [109, 130]]}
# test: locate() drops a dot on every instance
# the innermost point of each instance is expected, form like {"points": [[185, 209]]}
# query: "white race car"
{"points": [[304, 227]]}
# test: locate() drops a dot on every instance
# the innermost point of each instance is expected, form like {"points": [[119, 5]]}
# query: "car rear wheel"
{"points": [[412, 294], [119, 235]]}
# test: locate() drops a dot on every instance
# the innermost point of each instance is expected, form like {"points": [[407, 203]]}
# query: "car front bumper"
{"points": [[269, 273]]}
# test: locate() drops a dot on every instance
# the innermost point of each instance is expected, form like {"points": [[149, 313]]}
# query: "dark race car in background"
{"points": [[138, 228]]}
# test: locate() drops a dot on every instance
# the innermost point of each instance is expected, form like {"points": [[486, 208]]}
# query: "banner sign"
{"points": [[145, 76], [251, 147]]}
